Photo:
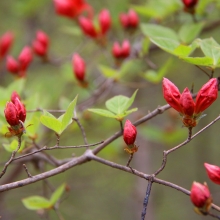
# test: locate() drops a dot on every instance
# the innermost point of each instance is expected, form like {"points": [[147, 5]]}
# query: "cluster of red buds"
{"points": [[121, 52], [91, 30], [189, 5], [79, 69], [201, 198], [40, 45], [130, 20], [19, 67], [72, 8], [15, 115], [6, 41], [129, 135], [184, 103]]}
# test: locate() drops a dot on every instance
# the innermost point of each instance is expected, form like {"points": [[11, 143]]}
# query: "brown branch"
{"points": [[26, 170]]}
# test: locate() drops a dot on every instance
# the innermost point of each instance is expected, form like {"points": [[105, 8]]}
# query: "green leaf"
{"points": [[68, 115], [153, 30], [51, 122], [13, 146], [189, 31], [211, 49], [183, 50], [130, 101], [200, 61], [156, 77], [116, 104], [169, 45], [107, 71], [102, 112], [34, 123], [36, 203], [57, 194]]}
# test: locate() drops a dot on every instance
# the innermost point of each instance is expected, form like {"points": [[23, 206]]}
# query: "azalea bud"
{"points": [[171, 94], [133, 18], [14, 95], [12, 65], [190, 3], [21, 111], [11, 114], [104, 21], [5, 43], [42, 38], [130, 133], [124, 20], [206, 95], [79, 67], [25, 58], [186, 102], [213, 172], [87, 27], [125, 49], [39, 48], [72, 8], [200, 196], [116, 50]]}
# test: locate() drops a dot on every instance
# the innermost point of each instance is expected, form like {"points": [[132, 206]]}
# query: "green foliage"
{"points": [[39, 202], [117, 107], [60, 124], [156, 76], [13, 146]]}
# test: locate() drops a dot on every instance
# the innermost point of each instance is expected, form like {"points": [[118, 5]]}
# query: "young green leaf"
{"points": [[200, 61], [189, 31], [57, 194], [107, 71], [51, 122], [68, 115], [129, 102], [13, 146], [36, 203], [102, 112]]}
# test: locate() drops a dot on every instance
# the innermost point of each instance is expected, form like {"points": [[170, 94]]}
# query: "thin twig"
{"points": [[26, 170], [81, 128], [57, 147], [214, 216], [58, 214], [129, 160], [203, 71], [121, 126], [11, 158], [58, 139], [146, 199]]}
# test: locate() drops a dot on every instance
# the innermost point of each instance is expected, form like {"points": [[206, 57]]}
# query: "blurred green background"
{"points": [[97, 191]]}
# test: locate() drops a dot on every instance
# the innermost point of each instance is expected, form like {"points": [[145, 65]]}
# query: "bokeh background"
{"points": [[97, 191]]}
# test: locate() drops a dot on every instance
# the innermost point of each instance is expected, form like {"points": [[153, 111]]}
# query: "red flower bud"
{"points": [[200, 196], [42, 38], [133, 18], [72, 8], [79, 67], [129, 20], [124, 20], [213, 172], [21, 111], [14, 95], [11, 114], [206, 95], [87, 27], [104, 21], [190, 3], [130, 133], [186, 102], [125, 49], [121, 52], [12, 65], [171, 94], [39, 48], [116, 50], [5, 43], [25, 58]]}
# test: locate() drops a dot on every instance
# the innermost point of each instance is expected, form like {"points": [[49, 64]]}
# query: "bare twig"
{"points": [[26, 170], [81, 128], [146, 199], [56, 147], [129, 160], [11, 158]]}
